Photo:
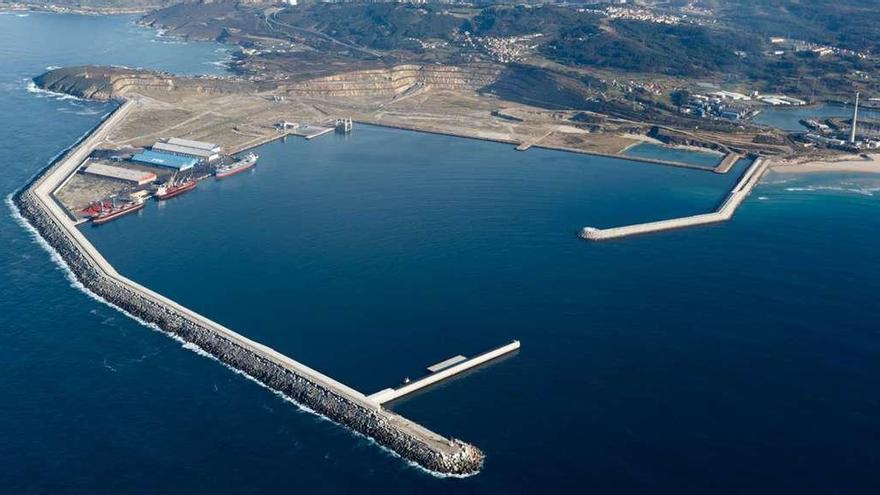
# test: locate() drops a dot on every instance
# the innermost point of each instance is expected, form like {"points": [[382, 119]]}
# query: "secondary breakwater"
{"points": [[724, 212], [306, 386]]}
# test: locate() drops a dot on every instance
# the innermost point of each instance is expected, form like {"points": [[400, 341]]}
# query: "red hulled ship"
{"points": [[175, 187], [105, 212]]}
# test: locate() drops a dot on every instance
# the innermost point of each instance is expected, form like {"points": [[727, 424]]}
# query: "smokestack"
{"points": [[855, 120]]}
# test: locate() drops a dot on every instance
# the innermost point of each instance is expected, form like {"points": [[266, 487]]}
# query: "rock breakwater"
{"points": [[308, 387]]}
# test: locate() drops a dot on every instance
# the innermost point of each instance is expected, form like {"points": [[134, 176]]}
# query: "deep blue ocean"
{"points": [[738, 358]]}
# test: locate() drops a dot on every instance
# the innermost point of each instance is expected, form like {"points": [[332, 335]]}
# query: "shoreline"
{"points": [[90, 11], [852, 164], [309, 388]]}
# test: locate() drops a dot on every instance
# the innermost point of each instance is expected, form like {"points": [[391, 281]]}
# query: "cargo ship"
{"points": [[175, 188], [237, 167], [105, 214]]}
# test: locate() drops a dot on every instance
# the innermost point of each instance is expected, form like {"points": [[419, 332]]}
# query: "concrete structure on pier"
{"points": [[727, 163], [343, 126], [441, 371]]}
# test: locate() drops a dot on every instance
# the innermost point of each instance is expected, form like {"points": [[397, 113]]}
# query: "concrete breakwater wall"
{"points": [[304, 385], [724, 212]]}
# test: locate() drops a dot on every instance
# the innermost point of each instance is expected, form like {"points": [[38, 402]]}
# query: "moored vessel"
{"points": [[174, 188], [106, 214], [238, 166]]}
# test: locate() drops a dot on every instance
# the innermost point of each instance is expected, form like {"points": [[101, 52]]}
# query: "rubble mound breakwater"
{"points": [[298, 382]]}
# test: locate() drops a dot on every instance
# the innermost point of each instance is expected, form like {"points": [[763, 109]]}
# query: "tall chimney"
{"points": [[855, 120]]}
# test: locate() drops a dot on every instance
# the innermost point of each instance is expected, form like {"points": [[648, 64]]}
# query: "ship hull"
{"points": [[230, 173], [238, 167], [176, 191], [98, 220]]}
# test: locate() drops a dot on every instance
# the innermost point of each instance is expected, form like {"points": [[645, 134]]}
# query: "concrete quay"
{"points": [[276, 371], [444, 372], [724, 212], [727, 163]]}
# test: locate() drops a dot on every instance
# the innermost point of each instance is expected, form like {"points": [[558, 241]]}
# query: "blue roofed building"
{"points": [[158, 159]]}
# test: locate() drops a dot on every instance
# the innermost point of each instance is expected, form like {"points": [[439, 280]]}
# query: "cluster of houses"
{"points": [[782, 45]]}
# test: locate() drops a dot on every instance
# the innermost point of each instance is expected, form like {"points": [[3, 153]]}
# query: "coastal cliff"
{"points": [[110, 83]]}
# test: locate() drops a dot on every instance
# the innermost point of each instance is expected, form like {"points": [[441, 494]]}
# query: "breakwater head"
{"points": [[306, 386], [723, 213]]}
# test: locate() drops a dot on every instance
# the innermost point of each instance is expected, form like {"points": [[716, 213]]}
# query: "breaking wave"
{"points": [[863, 191], [45, 93], [58, 260]]}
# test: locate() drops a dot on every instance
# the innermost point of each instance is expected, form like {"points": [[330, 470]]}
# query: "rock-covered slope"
{"points": [[107, 83], [525, 85]]}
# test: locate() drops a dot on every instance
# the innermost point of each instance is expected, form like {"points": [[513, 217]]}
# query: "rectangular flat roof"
{"points": [[165, 160], [114, 172], [445, 364], [184, 150], [199, 145]]}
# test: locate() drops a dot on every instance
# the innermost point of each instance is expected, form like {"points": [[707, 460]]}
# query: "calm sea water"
{"points": [[740, 358], [789, 118], [681, 155]]}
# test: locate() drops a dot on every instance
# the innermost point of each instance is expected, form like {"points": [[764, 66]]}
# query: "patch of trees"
{"points": [[682, 50], [852, 24], [383, 26]]}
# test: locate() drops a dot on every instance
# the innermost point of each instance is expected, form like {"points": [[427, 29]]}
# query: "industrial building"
{"points": [[138, 177], [207, 152], [167, 160], [199, 145]]}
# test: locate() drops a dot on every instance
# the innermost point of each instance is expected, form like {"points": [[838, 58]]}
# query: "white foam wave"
{"points": [[306, 409], [56, 258], [62, 265], [34, 89], [863, 191], [775, 181], [223, 64], [78, 110]]}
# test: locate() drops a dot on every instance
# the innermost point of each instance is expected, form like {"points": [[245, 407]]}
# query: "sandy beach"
{"points": [[849, 163]]}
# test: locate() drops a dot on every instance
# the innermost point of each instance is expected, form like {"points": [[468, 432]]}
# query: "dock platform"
{"points": [[441, 371], [309, 131], [727, 163]]}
